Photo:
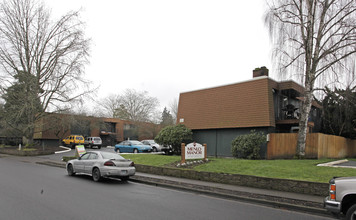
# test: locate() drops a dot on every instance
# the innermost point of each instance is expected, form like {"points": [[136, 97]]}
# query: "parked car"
{"points": [[157, 147], [132, 146], [73, 140], [92, 142], [101, 165], [342, 197]]}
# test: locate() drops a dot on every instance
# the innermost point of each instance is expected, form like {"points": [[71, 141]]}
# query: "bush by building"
{"points": [[174, 136], [248, 146]]}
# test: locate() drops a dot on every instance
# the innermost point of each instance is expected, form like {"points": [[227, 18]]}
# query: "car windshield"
{"points": [[111, 156], [136, 143]]}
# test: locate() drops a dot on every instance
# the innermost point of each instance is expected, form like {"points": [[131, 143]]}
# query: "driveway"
{"points": [[348, 164]]}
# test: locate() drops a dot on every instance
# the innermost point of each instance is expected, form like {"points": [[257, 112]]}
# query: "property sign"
{"points": [[79, 150], [194, 151]]}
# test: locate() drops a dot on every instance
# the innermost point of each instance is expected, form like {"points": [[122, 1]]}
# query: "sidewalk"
{"points": [[291, 201]]}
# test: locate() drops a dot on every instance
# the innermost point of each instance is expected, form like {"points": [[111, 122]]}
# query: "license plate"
{"points": [[124, 172]]}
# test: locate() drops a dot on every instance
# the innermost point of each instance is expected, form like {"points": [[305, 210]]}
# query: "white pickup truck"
{"points": [[342, 197]]}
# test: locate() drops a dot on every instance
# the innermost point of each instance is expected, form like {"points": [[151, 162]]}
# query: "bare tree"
{"points": [[136, 106], [314, 39], [109, 105], [173, 105], [52, 53]]}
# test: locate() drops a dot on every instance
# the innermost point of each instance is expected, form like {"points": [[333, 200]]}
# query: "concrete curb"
{"points": [[67, 149], [335, 164], [330, 164], [52, 164]]}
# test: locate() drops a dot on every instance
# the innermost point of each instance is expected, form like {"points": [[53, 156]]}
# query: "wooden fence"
{"points": [[283, 146]]}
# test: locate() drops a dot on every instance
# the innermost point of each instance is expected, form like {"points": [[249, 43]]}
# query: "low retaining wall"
{"points": [[25, 153], [304, 187]]}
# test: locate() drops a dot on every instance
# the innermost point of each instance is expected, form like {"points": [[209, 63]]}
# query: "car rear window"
{"points": [[107, 155], [97, 139]]}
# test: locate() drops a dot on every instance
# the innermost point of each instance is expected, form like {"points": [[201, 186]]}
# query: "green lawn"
{"points": [[285, 169], [151, 159], [23, 148]]}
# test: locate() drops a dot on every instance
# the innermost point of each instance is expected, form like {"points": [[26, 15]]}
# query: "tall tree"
{"points": [[167, 118], [173, 105], [314, 39], [339, 112], [21, 105], [136, 106], [109, 106], [51, 54], [2, 119]]}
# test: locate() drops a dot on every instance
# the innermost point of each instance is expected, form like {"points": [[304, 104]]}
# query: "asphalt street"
{"points": [[35, 192]]}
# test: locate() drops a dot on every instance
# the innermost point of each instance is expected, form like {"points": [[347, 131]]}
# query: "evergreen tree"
{"points": [[22, 105], [339, 112], [167, 118]]}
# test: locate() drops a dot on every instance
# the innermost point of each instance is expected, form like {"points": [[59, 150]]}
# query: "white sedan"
{"points": [[101, 165]]}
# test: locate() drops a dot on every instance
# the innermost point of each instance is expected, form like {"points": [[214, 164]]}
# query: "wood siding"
{"points": [[283, 145], [240, 105]]}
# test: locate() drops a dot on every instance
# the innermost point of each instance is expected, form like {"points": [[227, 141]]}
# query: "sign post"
{"points": [[182, 153]]}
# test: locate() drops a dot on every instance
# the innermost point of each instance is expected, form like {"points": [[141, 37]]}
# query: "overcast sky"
{"points": [[167, 47]]}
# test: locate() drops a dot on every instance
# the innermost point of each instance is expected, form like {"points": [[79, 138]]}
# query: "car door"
{"points": [[67, 140], [89, 163], [71, 140], [123, 147], [79, 164]]}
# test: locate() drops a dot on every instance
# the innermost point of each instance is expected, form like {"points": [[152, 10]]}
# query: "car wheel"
{"points": [[96, 174], [90, 146], [117, 150], [73, 146], [70, 170], [351, 213], [124, 178], [154, 149], [99, 147], [135, 151]]}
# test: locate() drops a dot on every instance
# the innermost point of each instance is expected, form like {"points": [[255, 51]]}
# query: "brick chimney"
{"points": [[262, 71]]}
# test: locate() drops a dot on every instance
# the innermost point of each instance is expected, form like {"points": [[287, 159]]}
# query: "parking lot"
{"points": [[71, 152]]}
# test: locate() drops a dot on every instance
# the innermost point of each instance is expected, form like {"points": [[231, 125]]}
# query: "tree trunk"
{"points": [[303, 123]]}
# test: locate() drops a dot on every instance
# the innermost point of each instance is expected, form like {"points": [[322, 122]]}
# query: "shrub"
{"points": [[174, 136], [68, 158], [248, 146]]}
